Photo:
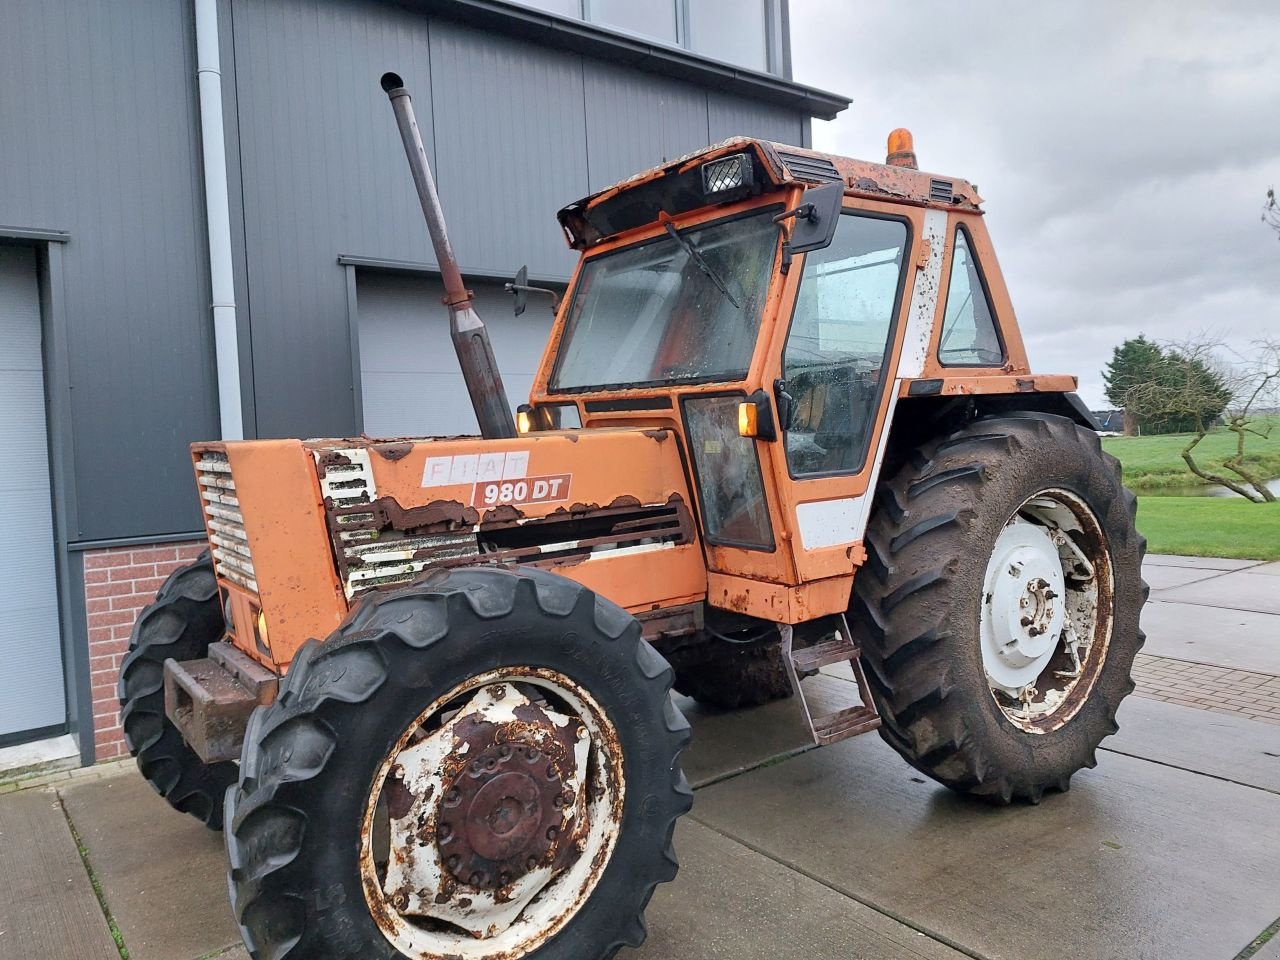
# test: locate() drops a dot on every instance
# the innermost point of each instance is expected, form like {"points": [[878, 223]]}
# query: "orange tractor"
{"points": [[784, 421]]}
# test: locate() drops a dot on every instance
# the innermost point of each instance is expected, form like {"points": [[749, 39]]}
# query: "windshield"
{"points": [[676, 309]]}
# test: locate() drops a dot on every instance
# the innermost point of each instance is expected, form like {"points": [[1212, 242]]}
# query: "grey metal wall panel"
{"points": [[98, 136], [731, 116], [633, 126], [32, 692], [409, 373], [510, 131]]}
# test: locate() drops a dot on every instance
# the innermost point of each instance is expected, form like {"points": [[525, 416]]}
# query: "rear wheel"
{"points": [[729, 675], [184, 619], [998, 610], [482, 765]]}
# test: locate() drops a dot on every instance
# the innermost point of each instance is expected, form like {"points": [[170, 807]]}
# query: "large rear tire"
{"points": [[996, 659], [418, 776], [184, 619], [731, 676]]}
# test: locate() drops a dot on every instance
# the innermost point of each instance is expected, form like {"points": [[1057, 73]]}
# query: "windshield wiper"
{"points": [[705, 267]]}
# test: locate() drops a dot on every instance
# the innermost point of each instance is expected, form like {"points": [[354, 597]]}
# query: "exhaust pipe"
{"points": [[466, 329]]}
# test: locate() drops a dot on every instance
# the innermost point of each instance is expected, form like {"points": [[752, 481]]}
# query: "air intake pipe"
{"points": [[467, 330]]}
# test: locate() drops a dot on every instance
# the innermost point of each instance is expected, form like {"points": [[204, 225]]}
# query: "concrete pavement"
{"points": [[1169, 849]]}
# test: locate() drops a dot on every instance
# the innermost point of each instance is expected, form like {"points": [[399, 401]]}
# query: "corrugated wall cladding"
{"points": [[514, 130], [98, 136]]}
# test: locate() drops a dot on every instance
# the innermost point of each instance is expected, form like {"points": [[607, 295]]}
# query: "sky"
{"points": [[1123, 150]]}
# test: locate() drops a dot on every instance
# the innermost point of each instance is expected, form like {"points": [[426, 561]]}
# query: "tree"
{"points": [[1271, 210], [1193, 379], [1132, 363], [1162, 390]]}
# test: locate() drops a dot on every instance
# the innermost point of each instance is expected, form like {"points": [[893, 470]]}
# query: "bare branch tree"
{"points": [[1271, 210], [1191, 378]]}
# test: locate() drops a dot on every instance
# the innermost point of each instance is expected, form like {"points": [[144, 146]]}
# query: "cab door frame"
{"points": [[821, 518]]}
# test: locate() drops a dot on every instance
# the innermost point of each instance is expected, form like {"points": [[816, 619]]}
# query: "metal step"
{"points": [[805, 661], [824, 654]]}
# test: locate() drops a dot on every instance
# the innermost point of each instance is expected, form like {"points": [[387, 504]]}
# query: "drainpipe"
{"points": [[218, 216]]}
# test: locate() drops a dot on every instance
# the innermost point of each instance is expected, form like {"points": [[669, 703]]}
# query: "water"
{"points": [[1205, 490]]}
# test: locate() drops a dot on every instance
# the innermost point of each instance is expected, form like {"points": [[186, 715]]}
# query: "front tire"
{"points": [[185, 618], [996, 655], [415, 742]]}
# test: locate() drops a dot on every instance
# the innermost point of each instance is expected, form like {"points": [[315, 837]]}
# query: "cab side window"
{"points": [[834, 360], [969, 336]]}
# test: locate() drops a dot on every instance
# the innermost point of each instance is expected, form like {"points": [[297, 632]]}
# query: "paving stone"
{"points": [[1163, 578], [1240, 590], [162, 873], [1201, 563], [1237, 639], [1139, 860], [730, 903], [48, 910], [728, 742]]}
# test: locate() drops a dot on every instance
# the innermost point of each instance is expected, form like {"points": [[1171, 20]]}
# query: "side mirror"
{"points": [[816, 218], [519, 287]]}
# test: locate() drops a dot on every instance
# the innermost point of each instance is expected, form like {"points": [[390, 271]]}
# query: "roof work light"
{"points": [[726, 175]]}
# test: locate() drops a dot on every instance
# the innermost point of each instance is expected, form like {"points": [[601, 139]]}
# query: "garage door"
{"points": [[32, 697], [410, 382]]}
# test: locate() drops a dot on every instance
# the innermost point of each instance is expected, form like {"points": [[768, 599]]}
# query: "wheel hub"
{"points": [[486, 811], [504, 815], [1023, 609]]}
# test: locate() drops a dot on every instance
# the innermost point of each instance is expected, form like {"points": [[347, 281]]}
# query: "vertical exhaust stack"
{"points": [[470, 338]]}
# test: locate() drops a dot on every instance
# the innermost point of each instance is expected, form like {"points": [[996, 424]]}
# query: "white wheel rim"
{"points": [[1045, 622], [419, 878]]}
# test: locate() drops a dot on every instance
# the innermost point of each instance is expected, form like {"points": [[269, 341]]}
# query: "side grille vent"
{"points": [[227, 540], [814, 169], [942, 191]]}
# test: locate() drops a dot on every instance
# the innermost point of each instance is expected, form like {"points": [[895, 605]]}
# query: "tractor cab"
{"points": [[771, 305]]}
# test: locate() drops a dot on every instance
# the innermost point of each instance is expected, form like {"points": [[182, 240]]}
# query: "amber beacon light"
{"points": [[902, 149]]}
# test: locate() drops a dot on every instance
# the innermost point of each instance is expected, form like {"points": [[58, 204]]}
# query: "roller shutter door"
{"points": [[410, 382], [32, 693]]}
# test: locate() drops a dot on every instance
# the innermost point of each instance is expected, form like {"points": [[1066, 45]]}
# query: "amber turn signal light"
{"points": [[524, 422], [755, 417]]}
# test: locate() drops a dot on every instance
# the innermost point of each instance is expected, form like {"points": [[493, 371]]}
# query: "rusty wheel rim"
{"points": [[491, 820], [1046, 611]]}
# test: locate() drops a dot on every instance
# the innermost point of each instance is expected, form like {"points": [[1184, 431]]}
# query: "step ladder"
{"points": [[802, 661]]}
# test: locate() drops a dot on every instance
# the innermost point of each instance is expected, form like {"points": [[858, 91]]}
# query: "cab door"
{"points": [[836, 363]]}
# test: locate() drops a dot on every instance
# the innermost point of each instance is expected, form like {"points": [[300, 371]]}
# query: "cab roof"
{"points": [[783, 165]]}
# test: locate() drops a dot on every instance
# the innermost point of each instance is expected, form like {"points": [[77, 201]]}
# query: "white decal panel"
{"points": [[828, 523], [924, 298], [475, 468]]}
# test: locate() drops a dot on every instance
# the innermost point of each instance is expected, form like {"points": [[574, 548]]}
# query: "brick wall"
{"points": [[118, 583]]}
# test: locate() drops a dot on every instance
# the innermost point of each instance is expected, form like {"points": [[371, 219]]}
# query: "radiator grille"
{"points": [[227, 540]]}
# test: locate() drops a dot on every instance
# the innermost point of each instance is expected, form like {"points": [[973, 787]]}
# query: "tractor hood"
{"points": [[597, 506]]}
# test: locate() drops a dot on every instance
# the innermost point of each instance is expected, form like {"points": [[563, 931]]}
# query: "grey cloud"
{"points": [[1123, 150]]}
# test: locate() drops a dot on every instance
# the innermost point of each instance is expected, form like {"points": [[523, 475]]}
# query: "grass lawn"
{"points": [[1210, 527], [1152, 463]]}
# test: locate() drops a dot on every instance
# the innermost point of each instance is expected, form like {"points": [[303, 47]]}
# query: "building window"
{"points": [[745, 33], [731, 30], [649, 18]]}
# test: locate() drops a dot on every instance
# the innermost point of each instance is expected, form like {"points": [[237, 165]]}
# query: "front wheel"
{"points": [[998, 610], [482, 765]]}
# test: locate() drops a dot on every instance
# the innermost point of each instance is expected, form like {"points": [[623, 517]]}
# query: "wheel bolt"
{"points": [[552, 833], [453, 862], [444, 833], [531, 863], [476, 879], [1025, 621]]}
